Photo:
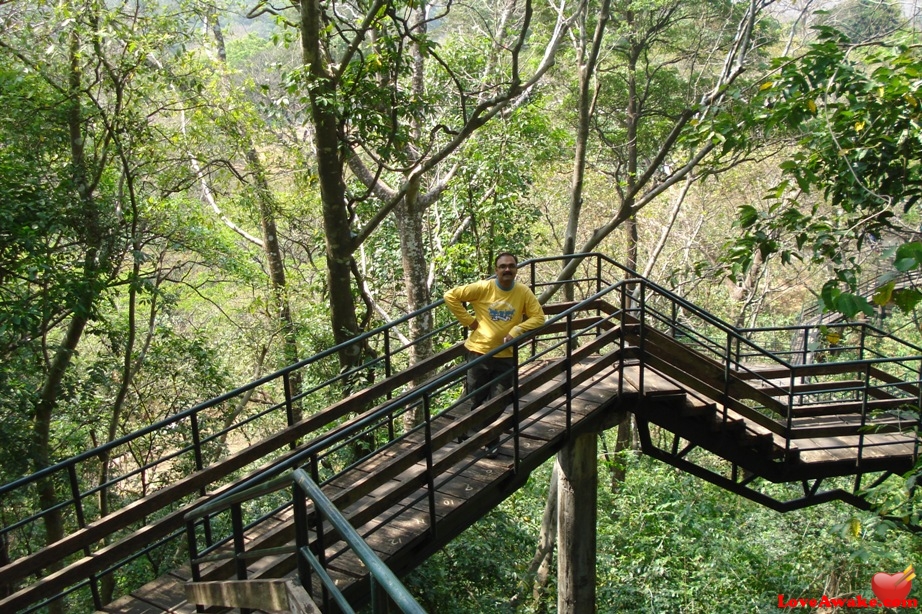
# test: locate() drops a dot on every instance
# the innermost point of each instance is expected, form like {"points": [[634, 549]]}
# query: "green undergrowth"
{"points": [[669, 542]]}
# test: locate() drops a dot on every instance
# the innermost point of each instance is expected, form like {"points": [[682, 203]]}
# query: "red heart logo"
{"points": [[891, 587]]}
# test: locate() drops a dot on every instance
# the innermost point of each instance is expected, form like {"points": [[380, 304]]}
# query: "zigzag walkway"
{"points": [[395, 515], [707, 398]]}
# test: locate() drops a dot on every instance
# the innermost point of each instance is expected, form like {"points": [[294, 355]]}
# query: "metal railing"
{"points": [[323, 461], [370, 420], [305, 488]]}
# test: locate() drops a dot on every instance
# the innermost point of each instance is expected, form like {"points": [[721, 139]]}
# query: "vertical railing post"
{"points": [[642, 318], [430, 478], [388, 370], [196, 443], [673, 319], [789, 419], [376, 601], [864, 418], [516, 458], [75, 494], [81, 522], [918, 385], [320, 549], [240, 564], [621, 338], [199, 464], [728, 352], [861, 348], [192, 545], [598, 273], [569, 371], [388, 366], [289, 402], [302, 536]]}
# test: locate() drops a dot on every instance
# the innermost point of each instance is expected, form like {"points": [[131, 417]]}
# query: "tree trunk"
{"points": [[576, 525], [540, 567], [273, 251], [587, 64], [409, 217], [336, 221]]}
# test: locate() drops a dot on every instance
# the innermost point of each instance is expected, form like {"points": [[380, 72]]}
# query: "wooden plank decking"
{"points": [[777, 422], [394, 514], [402, 534]]}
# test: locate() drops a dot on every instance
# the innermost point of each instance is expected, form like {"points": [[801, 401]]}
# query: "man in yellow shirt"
{"points": [[503, 310]]}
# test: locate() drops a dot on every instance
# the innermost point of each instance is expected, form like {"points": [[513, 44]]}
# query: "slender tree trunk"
{"points": [[623, 440], [336, 220], [587, 64], [409, 216], [91, 287]]}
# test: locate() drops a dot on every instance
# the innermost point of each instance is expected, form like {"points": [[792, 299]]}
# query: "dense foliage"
{"points": [[668, 542], [194, 194]]}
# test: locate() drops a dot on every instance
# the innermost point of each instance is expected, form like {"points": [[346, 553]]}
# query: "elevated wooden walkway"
{"points": [[729, 411], [393, 510]]}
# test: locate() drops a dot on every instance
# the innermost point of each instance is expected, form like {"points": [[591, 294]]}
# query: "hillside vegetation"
{"points": [[194, 194]]}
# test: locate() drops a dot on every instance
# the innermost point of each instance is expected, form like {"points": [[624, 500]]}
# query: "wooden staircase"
{"points": [[707, 398], [757, 436]]}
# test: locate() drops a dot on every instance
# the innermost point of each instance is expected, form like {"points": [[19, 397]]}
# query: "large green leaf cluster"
{"points": [[40, 218], [854, 178]]}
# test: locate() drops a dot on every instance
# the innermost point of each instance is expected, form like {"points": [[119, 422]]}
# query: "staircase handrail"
{"points": [[378, 571], [340, 434], [100, 450]]}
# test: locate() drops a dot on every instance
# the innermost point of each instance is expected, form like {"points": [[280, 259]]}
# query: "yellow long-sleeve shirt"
{"points": [[498, 313]]}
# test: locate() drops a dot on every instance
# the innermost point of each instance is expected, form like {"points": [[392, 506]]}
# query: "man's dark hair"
{"points": [[501, 254]]}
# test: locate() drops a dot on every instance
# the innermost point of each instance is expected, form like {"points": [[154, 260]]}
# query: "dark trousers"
{"points": [[488, 378]]}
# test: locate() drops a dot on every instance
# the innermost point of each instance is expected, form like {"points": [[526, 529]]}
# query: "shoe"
{"points": [[491, 450], [465, 436]]}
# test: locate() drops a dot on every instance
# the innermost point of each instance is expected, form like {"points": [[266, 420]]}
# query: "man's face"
{"points": [[506, 270]]}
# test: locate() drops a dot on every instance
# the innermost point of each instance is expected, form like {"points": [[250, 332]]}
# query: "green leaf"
{"points": [[906, 299], [884, 294], [908, 256], [850, 305], [829, 294], [748, 216]]}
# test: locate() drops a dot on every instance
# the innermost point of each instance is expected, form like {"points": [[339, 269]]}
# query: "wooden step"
{"points": [[779, 389], [837, 408], [655, 385]]}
